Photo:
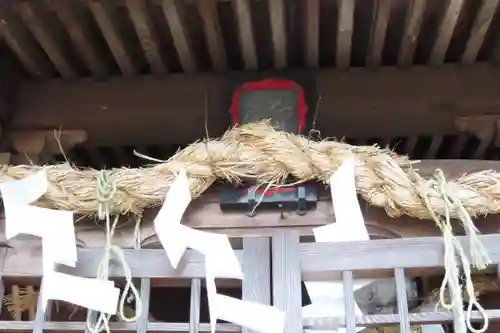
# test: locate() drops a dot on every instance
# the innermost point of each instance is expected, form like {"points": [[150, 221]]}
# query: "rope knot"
{"points": [[105, 191]]}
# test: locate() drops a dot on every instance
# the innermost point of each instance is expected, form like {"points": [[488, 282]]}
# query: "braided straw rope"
{"points": [[258, 153]]}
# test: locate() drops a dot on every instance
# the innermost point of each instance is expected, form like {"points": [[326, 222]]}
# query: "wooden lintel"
{"points": [[437, 96]]}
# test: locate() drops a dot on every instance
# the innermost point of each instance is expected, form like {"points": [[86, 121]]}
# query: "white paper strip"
{"points": [[327, 298], [55, 227], [57, 231], [99, 295], [220, 262]]}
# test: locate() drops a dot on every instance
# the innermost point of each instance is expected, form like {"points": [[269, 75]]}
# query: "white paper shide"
{"points": [[327, 298], [56, 229], [220, 262]]}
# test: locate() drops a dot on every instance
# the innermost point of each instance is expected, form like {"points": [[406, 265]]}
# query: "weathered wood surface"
{"points": [[331, 261], [437, 96], [317, 260]]}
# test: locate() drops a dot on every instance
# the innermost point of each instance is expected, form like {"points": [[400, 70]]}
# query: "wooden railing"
{"points": [[293, 262], [145, 265], [274, 269]]}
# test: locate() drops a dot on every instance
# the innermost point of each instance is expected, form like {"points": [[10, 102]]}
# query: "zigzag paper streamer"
{"points": [[57, 231], [220, 261]]}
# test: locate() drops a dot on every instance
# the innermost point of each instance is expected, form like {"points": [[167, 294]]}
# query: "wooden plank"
{"points": [[438, 317], [378, 33], [245, 33], [213, 34], [75, 326], [445, 32], [194, 309], [256, 266], [478, 32], [287, 295], [425, 252], [49, 44], [278, 32], [80, 37], [311, 17], [345, 28], [413, 25], [144, 263], [145, 297], [147, 35], [402, 298], [350, 314], [173, 12], [103, 12]]}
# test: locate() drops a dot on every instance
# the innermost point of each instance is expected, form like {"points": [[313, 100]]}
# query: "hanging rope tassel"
{"points": [[106, 188], [453, 250]]}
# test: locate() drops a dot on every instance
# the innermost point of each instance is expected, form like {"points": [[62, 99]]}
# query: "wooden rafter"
{"points": [[245, 33], [80, 37], [174, 13], [481, 26], [445, 32], [278, 32], [16, 38], [311, 17], [104, 14], [345, 28], [46, 40], [147, 35], [213, 34], [378, 33], [413, 25]]}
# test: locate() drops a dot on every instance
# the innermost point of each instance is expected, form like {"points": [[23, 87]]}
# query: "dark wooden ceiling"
{"points": [[77, 38]]}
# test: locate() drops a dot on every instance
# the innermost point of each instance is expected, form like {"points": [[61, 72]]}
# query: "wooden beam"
{"points": [[78, 326], [103, 12], [481, 26], [174, 13], [413, 25], [144, 28], [245, 33], [45, 38], [413, 253], [345, 28], [144, 263], [311, 17], [213, 34], [445, 32], [79, 35], [386, 92], [278, 32], [378, 33]]}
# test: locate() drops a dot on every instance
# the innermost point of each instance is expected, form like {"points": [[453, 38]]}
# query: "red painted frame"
{"points": [[271, 84]]}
